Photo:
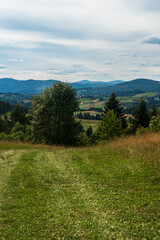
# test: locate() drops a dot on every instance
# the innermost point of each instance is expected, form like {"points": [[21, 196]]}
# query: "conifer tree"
{"points": [[142, 116], [18, 115], [1, 125], [109, 127], [114, 104], [154, 110], [89, 131]]}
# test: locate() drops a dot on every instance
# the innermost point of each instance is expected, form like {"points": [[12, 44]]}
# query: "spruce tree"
{"points": [[109, 127], [114, 104], [18, 115], [142, 116], [154, 110], [1, 125], [89, 131]]}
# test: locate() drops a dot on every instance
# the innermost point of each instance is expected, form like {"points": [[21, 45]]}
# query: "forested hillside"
{"points": [[128, 88]]}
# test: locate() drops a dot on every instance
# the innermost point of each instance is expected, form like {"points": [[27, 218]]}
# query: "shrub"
{"points": [[3, 136], [16, 136], [154, 124], [18, 127], [109, 127], [141, 130]]}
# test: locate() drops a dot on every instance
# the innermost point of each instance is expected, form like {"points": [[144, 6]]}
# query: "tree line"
{"points": [[88, 116], [51, 120]]}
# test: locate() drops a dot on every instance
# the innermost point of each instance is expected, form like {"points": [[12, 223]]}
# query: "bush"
{"points": [[82, 139], [18, 127], [110, 127], [141, 130], [17, 136], [154, 124], [3, 136]]}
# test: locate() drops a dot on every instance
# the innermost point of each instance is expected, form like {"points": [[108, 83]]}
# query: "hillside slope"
{"points": [[129, 88], [25, 87], [145, 85], [109, 191]]}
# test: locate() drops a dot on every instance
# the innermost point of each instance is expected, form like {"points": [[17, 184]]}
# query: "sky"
{"points": [[72, 40]]}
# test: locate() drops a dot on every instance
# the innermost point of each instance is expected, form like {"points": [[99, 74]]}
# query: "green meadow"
{"points": [[86, 123], [109, 191], [86, 103]]}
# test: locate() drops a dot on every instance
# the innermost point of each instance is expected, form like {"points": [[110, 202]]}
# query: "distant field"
{"points": [[86, 103], [147, 94], [91, 112], [111, 191], [86, 123], [126, 101]]}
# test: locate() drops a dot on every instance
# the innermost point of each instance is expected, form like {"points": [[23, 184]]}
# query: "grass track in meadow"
{"points": [[105, 192]]}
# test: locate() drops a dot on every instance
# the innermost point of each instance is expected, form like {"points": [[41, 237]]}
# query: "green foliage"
{"points": [[16, 136], [18, 127], [5, 125], [89, 131], [114, 104], [154, 124], [52, 115], [3, 136], [109, 127], [154, 110], [18, 115], [5, 107], [81, 139], [141, 130], [2, 123], [142, 116]]}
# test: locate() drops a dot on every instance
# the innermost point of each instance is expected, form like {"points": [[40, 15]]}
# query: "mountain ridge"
{"points": [[32, 86], [102, 88]]}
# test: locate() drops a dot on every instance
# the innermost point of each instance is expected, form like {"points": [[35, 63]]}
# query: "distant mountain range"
{"points": [[85, 86], [35, 86], [24, 87], [94, 84]]}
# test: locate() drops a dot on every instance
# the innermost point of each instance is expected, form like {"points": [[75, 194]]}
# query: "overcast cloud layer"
{"points": [[74, 40]]}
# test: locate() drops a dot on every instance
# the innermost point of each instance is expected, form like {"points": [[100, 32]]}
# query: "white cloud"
{"points": [[55, 34], [14, 60]]}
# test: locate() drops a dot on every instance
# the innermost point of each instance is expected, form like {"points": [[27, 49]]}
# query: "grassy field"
{"points": [[147, 94], [86, 103], [86, 123], [110, 191], [126, 101]]}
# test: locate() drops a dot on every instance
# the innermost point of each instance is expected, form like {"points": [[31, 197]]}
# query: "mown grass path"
{"points": [[84, 193]]}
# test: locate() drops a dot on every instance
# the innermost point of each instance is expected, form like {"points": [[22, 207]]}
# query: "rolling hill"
{"points": [[128, 88], [144, 85], [94, 84], [24, 87]]}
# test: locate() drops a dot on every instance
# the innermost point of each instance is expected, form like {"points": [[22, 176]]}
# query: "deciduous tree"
{"points": [[53, 115]]}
